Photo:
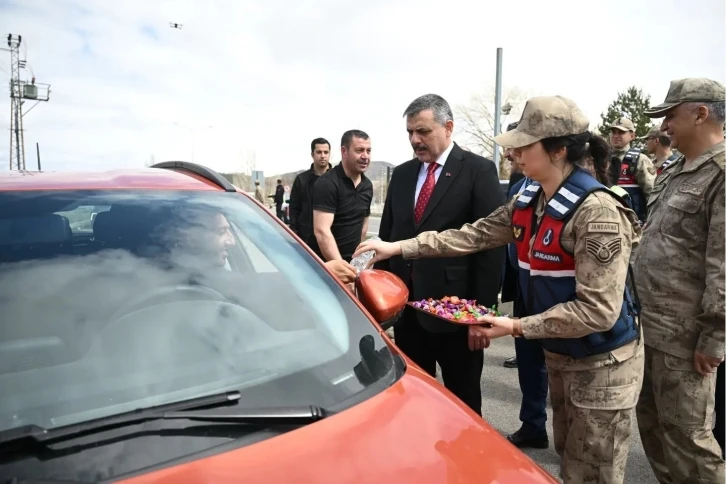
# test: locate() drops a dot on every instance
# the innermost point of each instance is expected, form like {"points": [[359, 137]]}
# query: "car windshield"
{"points": [[118, 300]]}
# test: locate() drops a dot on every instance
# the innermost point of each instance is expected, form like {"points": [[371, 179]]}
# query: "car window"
{"points": [[81, 218], [164, 296], [260, 263]]}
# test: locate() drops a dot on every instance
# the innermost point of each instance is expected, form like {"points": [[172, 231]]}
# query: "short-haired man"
{"points": [[630, 169], [679, 276], [342, 200], [658, 145], [301, 194], [443, 187], [259, 196]]}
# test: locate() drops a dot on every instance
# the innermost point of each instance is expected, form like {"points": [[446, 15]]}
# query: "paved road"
{"points": [[500, 406], [374, 223]]}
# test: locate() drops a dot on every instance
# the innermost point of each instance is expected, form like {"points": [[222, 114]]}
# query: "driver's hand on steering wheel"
{"points": [[342, 270]]}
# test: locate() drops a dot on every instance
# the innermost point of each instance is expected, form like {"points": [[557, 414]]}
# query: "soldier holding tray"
{"points": [[574, 238]]}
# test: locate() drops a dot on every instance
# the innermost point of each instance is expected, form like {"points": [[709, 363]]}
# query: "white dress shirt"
{"points": [[425, 168]]}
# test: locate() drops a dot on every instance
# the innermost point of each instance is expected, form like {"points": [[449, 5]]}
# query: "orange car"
{"points": [[160, 326]]}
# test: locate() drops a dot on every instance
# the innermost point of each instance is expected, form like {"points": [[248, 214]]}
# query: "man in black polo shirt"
{"points": [[342, 200]]}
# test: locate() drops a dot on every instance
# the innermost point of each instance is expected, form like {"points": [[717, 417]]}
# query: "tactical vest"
{"points": [[547, 272], [517, 189], [667, 162], [629, 181], [622, 193]]}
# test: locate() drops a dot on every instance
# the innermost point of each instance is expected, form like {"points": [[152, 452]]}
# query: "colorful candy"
{"points": [[455, 309]]}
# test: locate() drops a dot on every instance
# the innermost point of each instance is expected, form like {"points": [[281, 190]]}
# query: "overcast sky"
{"points": [[267, 77]]}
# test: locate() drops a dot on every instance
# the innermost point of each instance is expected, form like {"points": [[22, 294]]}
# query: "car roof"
{"points": [[170, 176]]}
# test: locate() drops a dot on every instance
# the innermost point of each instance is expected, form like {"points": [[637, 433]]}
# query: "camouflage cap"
{"points": [[545, 117], [654, 132], [691, 89], [623, 124]]}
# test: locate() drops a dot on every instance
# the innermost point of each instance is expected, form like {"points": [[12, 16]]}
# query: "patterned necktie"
{"points": [[426, 190]]}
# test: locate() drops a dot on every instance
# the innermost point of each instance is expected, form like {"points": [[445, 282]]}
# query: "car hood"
{"points": [[413, 432]]}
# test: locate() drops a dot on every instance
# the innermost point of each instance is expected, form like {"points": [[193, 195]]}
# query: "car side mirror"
{"points": [[383, 294]]}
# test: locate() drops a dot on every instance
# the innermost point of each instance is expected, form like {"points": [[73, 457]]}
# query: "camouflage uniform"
{"points": [[645, 169], [593, 399], [679, 273], [655, 132]]}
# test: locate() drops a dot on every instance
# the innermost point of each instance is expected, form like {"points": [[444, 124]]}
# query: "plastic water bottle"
{"points": [[362, 260]]}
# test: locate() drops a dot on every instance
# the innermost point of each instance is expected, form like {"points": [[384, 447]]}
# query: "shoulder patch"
{"points": [[603, 252], [518, 232], [603, 227]]}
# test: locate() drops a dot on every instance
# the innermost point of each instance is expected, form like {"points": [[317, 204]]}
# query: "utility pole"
{"points": [[19, 91], [498, 106]]}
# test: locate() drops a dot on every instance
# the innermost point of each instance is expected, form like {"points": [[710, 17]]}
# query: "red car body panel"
{"points": [[155, 179], [414, 432]]}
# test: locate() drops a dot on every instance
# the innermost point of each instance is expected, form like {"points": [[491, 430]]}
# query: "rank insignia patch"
{"points": [[603, 253]]}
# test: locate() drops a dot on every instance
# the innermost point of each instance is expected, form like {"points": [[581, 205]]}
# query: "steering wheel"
{"points": [[167, 294]]}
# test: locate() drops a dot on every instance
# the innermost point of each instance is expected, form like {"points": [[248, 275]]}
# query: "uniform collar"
{"points": [[712, 152], [660, 162]]}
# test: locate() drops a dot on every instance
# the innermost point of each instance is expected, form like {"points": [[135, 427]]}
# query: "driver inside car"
{"points": [[203, 241], [205, 244]]}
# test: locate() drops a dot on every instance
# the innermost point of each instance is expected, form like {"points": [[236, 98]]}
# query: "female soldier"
{"points": [[574, 238]]}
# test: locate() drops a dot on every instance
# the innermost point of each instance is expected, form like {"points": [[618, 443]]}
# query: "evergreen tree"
{"points": [[631, 104]]}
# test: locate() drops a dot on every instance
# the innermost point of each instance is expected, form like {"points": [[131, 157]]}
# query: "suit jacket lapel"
{"points": [[448, 173], [409, 179]]}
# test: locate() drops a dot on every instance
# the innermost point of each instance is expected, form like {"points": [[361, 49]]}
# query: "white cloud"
{"points": [[270, 76]]}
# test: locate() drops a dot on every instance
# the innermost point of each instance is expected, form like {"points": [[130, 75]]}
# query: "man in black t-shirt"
{"points": [[301, 195], [342, 200]]}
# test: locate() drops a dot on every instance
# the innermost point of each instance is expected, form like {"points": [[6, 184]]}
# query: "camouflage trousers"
{"points": [[675, 419], [593, 411]]}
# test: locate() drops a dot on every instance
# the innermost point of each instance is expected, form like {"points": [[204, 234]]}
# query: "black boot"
{"points": [[528, 440]]}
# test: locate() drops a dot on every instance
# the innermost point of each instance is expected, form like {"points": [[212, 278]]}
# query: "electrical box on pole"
{"points": [[20, 91]]}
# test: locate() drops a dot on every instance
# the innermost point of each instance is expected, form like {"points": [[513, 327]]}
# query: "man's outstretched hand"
{"points": [[342, 270]]}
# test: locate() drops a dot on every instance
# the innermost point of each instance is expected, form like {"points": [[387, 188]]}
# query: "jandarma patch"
{"points": [[603, 228], [547, 257]]}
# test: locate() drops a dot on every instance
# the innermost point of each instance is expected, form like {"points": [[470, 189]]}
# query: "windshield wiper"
{"points": [[173, 411]]}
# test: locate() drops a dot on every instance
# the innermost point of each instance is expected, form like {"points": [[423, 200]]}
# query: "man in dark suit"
{"points": [[279, 198], [444, 187]]}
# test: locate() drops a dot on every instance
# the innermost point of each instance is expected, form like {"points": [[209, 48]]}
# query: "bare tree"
{"points": [[475, 123], [248, 164]]}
